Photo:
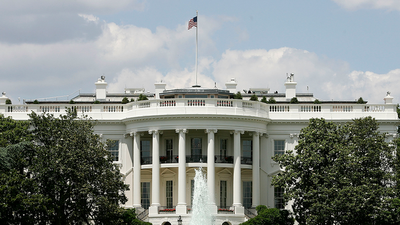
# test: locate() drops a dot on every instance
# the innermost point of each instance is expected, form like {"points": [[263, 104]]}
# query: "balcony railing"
{"points": [[208, 106], [223, 159], [226, 210], [146, 160], [197, 159], [169, 159], [246, 160]]}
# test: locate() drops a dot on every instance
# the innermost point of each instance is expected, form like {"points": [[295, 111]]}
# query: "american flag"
{"points": [[192, 22]]}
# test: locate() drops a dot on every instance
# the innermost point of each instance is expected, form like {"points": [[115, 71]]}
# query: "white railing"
{"points": [[167, 103], [310, 108], [210, 106], [279, 108], [224, 103], [196, 102]]}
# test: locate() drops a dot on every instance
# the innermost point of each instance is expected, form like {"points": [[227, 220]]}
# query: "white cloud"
{"points": [[375, 4]]}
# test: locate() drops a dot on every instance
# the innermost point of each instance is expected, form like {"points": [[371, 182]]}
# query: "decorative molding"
{"points": [[293, 135], [211, 130], [184, 130]]}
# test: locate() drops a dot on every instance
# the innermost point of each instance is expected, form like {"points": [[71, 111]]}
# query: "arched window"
{"points": [[167, 223], [225, 223]]}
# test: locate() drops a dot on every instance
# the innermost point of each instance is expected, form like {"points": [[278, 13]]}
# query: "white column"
{"points": [[237, 178], [211, 169], [181, 207], [155, 188], [256, 170], [136, 170]]}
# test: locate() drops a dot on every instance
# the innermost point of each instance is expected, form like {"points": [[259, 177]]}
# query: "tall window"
{"points": [[168, 192], [247, 147], [223, 147], [222, 193], [145, 200], [196, 149], [113, 148], [145, 151], [247, 194], [169, 150], [278, 197], [279, 147]]}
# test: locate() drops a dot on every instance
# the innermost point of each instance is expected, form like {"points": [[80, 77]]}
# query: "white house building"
{"points": [[159, 142]]}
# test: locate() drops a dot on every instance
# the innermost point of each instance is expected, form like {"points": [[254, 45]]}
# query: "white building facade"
{"points": [[159, 142]]}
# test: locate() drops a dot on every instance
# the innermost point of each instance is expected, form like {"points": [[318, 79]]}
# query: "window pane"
{"points": [[223, 147], [145, 200], [279, 147], [222, 194], [113, 148], [247, 194], [278, 197], [246, 148], [169, 193]]}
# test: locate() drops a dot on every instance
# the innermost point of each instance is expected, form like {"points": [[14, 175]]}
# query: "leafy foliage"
{"points": [[271, 100], [264, 99], [142, 97], [8, 102], [316, 101], [71, 101], [340, 174], [270, 216], [238, 95], [294, 100], [96, 102], [125, 100], [35, 101], [254, 98], [63, 176], [361, 101]]}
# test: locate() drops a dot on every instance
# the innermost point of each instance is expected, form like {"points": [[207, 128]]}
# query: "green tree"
{"points": [[64, 176], [8, 102], [254, 98], [361, 101], [271, 100], [294, 100], [125, 100], [238, 95], [270, 216], [142, 97], [264, 99], [316, 101], [340, 174]]}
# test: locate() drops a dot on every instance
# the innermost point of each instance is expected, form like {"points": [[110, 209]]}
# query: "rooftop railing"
{"points": [[209, 106]]}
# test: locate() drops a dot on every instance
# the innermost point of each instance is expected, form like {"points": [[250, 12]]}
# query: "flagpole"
{"points": [[197, 43]]}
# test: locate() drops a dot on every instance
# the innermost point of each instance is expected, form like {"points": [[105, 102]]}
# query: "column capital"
{"points": [[184, 130], [255, 133], [264, 135], [211, 131], [237, 132], [155, 132]]}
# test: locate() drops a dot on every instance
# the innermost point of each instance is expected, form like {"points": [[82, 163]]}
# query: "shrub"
{"points": [[96, 102], [71, 102], [361, 101], [125, 100], [271, 100], [264, 99], [294, 100], [36, 101], [237, 96], [254, 98], [317, 101], [142, 97], [8, 102]]}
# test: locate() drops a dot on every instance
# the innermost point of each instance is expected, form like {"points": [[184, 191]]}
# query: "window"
{"points": [[113, 148], [196, 149], [222, 194], [145, 151], [278, 197], [247, 194], [145, 200], [247, 148], [223, 147], [169, 150], [168, 192], [279, 147]]}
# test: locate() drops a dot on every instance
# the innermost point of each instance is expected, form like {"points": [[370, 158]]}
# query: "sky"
{"points": [[337, 49]]}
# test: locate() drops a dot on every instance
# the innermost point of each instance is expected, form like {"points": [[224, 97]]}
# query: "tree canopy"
{"points": [[340, 174], [64, 175], [270, 216]]}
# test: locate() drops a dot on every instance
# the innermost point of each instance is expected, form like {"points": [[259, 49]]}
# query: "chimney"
{"points": [[160, 87], [101, 86], [231, 86], [388, 99], [3, 98], [290, 87]]}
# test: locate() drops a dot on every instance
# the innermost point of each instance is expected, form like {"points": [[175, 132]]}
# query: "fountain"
{"points": [[200, 210]]}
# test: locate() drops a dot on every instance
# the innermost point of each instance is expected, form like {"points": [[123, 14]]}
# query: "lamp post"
{"points": [[179, 220]]}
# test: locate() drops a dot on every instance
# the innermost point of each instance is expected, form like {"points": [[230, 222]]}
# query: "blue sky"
{"points": [[340, 49]]}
